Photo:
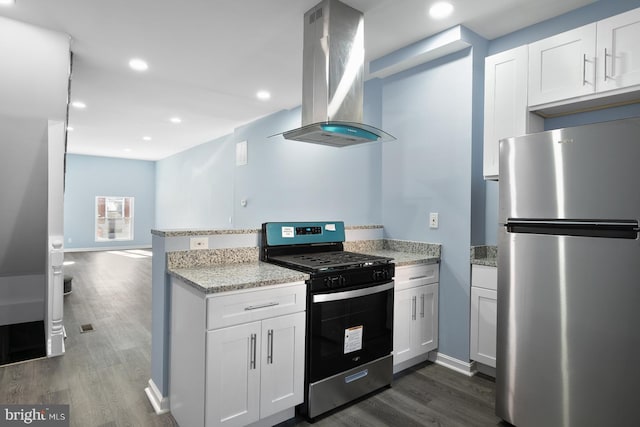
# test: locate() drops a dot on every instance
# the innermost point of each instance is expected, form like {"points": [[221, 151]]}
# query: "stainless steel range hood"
{"points": [[332, 78]]}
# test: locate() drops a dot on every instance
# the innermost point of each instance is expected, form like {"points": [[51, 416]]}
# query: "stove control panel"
{"points": [[301, 231]]}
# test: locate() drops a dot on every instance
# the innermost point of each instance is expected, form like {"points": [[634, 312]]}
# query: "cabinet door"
{"points": [[404, 314], [282, 362], [562, 66], [484, 314], [427, 318], [505, 103], [233, 375], [619, 51]]}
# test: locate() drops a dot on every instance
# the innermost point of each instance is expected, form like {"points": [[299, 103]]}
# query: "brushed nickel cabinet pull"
{"points": [[252, 362], [605, 64], [270, 347], [255, 307]]}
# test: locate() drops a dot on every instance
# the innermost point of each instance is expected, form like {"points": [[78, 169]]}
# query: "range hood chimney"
{"points": [[332, 78]]}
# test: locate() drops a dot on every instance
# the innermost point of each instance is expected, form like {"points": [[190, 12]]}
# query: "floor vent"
{"points": [[86, 328]]}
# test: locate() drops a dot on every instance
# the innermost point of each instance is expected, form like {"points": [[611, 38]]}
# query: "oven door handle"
{"points": [[337, 296]]}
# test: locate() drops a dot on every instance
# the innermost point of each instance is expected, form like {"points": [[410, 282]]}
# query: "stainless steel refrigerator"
{"points": [[569, 277]]}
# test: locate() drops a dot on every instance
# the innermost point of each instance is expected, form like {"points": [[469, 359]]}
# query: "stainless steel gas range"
{"points": [[349, 335]]}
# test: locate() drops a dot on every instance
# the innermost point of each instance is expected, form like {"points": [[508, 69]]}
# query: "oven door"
{"points": [[349, 328]]}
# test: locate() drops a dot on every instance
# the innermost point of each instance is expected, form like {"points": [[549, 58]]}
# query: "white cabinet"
{"points": [[617, 42], [237, 358], [484, 311], [562, 66], [254, 370], [415, 318], [593, 65], [506, 110]]}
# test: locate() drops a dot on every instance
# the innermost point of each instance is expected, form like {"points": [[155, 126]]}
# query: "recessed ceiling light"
{"points": [[175, 120], [127, 150], [138, 64], [440, 10], [7, 2], [146, 138], [78, 104], [263, 95]]}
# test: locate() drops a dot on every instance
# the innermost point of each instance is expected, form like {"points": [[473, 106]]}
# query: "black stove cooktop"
{"points": [[317, 248], [321, 261]]}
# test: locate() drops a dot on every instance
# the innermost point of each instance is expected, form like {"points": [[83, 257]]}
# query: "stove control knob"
{"points": [[381, 275], [332, 282]]}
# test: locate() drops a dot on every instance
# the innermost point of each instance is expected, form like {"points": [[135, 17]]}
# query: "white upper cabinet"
{"points": [[505, 104], [562, 66], [589, 67], [618, 42]]}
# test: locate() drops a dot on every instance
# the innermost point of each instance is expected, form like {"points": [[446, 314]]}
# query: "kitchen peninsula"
{"points": [[208, 284]]}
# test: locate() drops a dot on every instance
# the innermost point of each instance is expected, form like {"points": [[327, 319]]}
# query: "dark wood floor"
{"points": [[425, 395], [103, 374]]}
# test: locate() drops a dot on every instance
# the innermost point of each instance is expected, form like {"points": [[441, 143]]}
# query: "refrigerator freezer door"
{"points": [[587, 172], [568, 316]]}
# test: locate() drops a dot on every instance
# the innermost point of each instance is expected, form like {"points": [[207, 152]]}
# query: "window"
{"points": [[114, 218]]}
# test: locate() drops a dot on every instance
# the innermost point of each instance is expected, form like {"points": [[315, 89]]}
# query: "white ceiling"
{"points": [[208, 58]]}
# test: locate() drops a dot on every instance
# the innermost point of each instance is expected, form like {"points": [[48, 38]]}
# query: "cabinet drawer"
{"points": [[249, 306], [483, 276], [416, 275]]}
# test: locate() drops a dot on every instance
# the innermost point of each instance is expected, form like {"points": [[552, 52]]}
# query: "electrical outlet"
{"points": [[433, 220], [199, 243]]}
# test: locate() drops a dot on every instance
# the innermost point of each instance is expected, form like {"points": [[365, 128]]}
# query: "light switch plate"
{"points": [[199, 243]]}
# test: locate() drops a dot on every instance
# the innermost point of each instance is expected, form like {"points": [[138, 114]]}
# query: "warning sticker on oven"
{"points": [[288, 232], [353, 339]]}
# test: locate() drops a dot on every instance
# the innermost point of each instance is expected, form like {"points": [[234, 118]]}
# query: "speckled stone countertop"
{"points": [[203, 232], [232, 277], [403, 252], [191, 232], [484, 255], [222, 270]]}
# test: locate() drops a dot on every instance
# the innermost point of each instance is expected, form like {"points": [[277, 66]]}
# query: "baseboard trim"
{"points": [[107, 248], [452, 363], [401, 366], [160, 404]]}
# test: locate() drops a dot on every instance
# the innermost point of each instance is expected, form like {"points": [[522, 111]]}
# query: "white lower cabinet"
{"points": [[254, 370], [237, 358], [484, 314], [415, 318]]}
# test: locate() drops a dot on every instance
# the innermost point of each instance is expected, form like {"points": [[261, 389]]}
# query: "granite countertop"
{"points": [[223, 270], [401, 258], [232, 277], [484, 255]]}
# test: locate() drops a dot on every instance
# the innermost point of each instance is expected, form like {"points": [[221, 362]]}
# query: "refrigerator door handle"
{"points": [[617, 229]]}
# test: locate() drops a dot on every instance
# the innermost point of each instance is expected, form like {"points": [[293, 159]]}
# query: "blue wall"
{"points": [[90, 176], [283, 180], [429, 170]]}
